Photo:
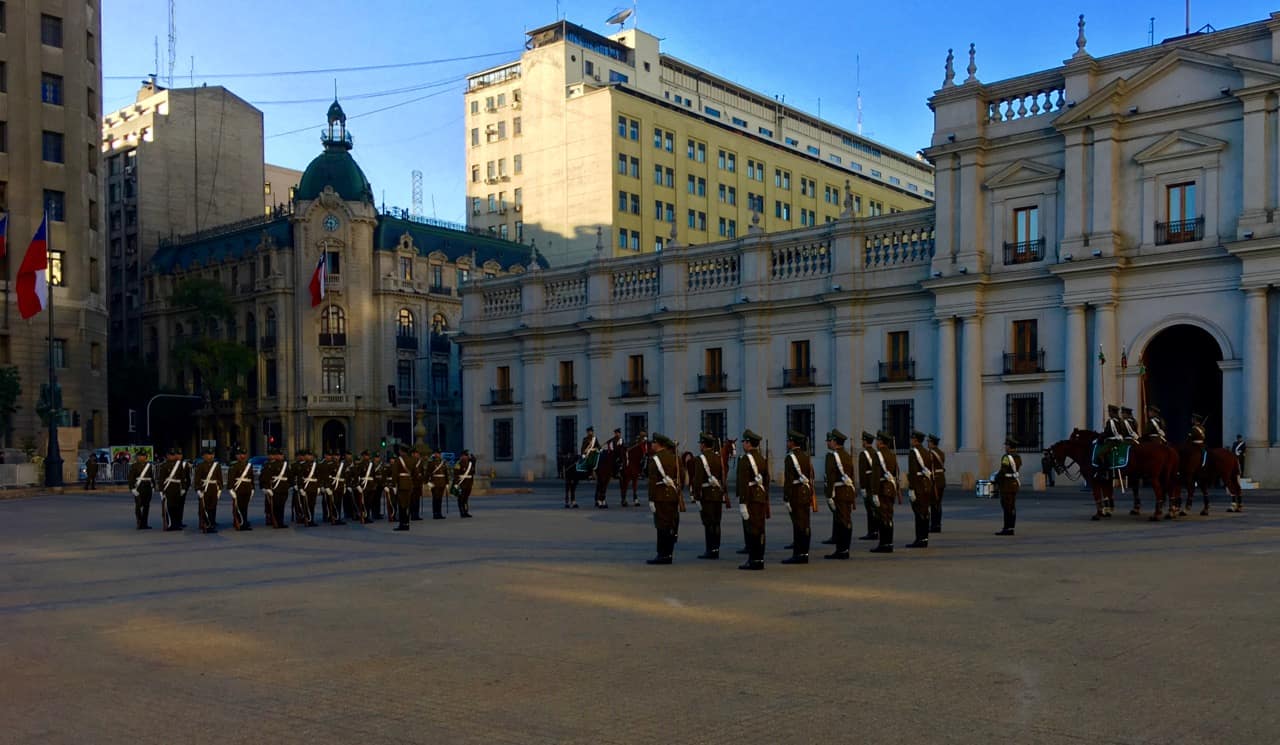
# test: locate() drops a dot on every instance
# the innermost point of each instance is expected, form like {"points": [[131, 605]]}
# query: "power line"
{"points": [[358, 96], [366, 113], [330, 70]]}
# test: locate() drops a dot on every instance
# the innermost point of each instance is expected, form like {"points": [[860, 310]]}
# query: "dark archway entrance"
{"points": [[334, 436], [1183, 377]]}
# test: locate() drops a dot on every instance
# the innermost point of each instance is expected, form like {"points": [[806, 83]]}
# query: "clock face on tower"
{"points": [[331, 223]]}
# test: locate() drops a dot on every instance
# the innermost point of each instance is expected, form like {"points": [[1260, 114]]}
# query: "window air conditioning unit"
{"points": [[597, 77], [519, 207]]}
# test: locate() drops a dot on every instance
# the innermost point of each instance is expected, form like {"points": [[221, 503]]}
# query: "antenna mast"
{"points": [[1151, 31], [173, 41], [416, 211], [859, 85]]}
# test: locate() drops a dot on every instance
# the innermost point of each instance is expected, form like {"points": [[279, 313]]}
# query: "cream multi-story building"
{"points": [[278, 186], [1121, 205], [373, 361], [588, 134], [50, 101]]}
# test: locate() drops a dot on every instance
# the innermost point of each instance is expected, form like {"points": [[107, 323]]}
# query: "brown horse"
{"points": [[1198, 466], [1153, 461]]}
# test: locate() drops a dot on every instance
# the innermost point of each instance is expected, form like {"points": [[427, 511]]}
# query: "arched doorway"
{"points": [[1183, 377], [334, 436]]}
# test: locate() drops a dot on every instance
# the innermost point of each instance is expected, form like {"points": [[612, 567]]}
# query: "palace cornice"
{"points": [[1101, 266]]}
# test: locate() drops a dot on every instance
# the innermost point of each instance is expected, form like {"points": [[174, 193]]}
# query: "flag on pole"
{"points": [[318, 279], [33, 281], [4, 232], [1102, 358]]}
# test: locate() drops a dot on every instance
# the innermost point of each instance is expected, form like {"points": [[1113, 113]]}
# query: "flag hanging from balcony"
{"points": [[33, 283], [4, 233], [318, 280]]}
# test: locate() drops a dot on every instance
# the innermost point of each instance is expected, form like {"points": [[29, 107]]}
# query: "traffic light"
{"points": [[391, 395], [383, 443]]}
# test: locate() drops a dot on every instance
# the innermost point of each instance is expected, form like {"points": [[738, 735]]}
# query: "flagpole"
{"points": [[53, 459]]}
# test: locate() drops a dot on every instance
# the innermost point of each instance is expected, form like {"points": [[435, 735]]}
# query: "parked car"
{"points": [[256, 462]]}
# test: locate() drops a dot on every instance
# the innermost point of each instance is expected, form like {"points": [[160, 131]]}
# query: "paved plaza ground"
{"points": [[533, 624]]}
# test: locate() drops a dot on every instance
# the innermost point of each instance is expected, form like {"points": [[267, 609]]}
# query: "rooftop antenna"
{"points": [[417, 193], [1151, 31], [1188, 16], [156, 63], [858, 82], [173, 41], [620, 17]]}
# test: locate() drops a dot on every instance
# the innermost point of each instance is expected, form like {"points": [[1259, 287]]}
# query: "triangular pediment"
{"points": [[1165, 83], [1179, 144], [1023, 172], [1256, 73]]}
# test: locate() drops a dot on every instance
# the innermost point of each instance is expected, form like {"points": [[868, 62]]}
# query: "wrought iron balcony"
{"points": [[1021, 363], [406, 342], [440, 290], [802, 377], [717, 383], [440, 344], [897, 371], [333, 340], [266, 342], [564, 392], [1024, 252], [1179, 231], [634, 388], [500, 396]]}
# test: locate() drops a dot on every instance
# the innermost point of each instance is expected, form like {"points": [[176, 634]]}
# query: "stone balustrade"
{"points": [[561, 294], [1025, 98], [502, 301]]}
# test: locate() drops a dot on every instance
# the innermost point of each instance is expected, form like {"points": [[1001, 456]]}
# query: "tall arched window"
{"points": [[438, 324], [269, 333], [250, 330], [333, 327], [439, 342], [406, 330]]}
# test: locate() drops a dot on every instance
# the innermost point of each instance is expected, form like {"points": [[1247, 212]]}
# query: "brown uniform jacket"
{"points": [[886, 475], [325, 472], [747, 490], [437, 473], [1007, 476], [274, 475], [240, 478], [173, 478], [938, 465], [835, 488], [919, 472], [794, 490], [302, 472], [700, 481], [208, 478], [465, 476], [139, 483], [658, 490], [867, 469], [405, 471]]}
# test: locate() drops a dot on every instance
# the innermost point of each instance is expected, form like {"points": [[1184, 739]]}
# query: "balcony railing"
{"points": [[1179, 231], [333, 340], [897, 371], [500, 396], [716, 383], [1024, 252], [406, 342], [440, 344], [440, 290], [801, 377], [266, 342], [564, 392], [1021, 363], [634, 388]]}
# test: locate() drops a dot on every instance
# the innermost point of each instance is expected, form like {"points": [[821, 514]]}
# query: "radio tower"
{"points": [[858, 82], [173, 41], [416, 212]]}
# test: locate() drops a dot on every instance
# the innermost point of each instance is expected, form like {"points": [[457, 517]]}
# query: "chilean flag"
{"points": [[4, 232], [33, 283], [318, 279]]}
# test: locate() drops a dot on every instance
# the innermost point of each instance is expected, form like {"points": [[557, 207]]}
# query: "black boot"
{"points": [[713, 542], [935, 519], [922, 533], [843, 536], [404, 520], [755, 555], [666, 546], [872, 533], [799, 554], [886, 540], [835, 531], [1010, 517]]}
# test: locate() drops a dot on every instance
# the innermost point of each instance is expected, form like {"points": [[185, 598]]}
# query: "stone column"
{"points": [[1102, 186], [1259, 168], [945, 383], [1105, 389], [533, 442], [602, 386], [1256, 373], [844, 379], [1077, 371], [675, 420], [974, 410], [755, 372]]}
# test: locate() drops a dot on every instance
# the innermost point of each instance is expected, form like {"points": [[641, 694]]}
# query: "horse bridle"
{"points": [[1063, 469]]}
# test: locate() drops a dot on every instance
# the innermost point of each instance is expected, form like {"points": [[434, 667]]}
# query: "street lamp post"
{"points": [[165, 395]]}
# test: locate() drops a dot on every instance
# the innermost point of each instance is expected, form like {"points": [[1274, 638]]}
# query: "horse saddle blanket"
{"points": [[1116, 454], [588, 464]]}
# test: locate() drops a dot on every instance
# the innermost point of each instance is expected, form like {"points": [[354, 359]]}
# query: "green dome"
{"points": [[335, 167]]}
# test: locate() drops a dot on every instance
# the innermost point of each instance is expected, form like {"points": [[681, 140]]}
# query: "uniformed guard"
{"points": [[240, 484], [753, 498], [1112, 435], [799, 496], [352, 503], [1007, 481], [938, 462], [868, 484], [404, 479], [666, 497], [886, 490], [589, 443], [417, 467], [706, 486], [385, 485], [208, 479], [1128, 424], [365, 491], [464, 480], [920, 477], [274, 480], [142, 484], [1198, 434], [175, 481], [91, 472], [306, 483], [437, 475], [1155, 427], [841, 492], [332, 483]]}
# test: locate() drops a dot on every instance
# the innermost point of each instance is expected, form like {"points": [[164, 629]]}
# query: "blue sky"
{"points": [[810, 57]]}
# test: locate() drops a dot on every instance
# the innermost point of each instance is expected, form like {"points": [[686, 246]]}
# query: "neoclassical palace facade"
{"points": [[1119, 208]]}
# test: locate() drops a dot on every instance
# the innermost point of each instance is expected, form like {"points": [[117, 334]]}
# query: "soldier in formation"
{"points": [[142, 482], [753, 499], [332, 485], [867, 483], [1007, 481], [920, 478], [208, 478], [306, 488], [464, 480], [240, 484], [841, 492], [404, 476], [885, 491], [174, 477], [366, 494], [666, 497], [938, 464], [799, 496], [437, 477], [1155, 429], [707, 488], [274, 480]]}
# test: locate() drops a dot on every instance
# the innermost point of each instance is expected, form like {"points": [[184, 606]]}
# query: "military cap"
{"points": [[934, 439], [591, 429], [1153, 408], [364, 453], [836, 435], [884, 436], [708, 440], [1197, 418], [797, 437], [751, 437], [1009, 442], [175, 451], [617, 430], [206, 451], [917, 435], [664, 441], [867, 436], [275, 451], [1112, 408], [235, 452], [464, 452], [1126, 409]]}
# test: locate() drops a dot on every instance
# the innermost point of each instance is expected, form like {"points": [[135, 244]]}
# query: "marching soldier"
{"points": [[753, 498], [707, 488], [208, 476], [465, 479], [366, 492], [920, 477], [404, 478], [142, 483], [352, 506], [938, 466], [868, 484], [1007, 481], [332, 484], [666, 497], [175, 480], [1128, 424], [386, 487], [240, 484], [91, 472], [886, 490], [274, 480], [799, 497], [417, 464], [1155, 429], [842, 495], [437, 473], [306, 484]]}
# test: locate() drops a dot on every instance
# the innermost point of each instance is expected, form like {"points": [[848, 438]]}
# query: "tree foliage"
{"points": [[209, 299], [219, 364]]}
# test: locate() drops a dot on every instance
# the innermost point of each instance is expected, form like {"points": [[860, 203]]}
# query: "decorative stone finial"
{"points": [[848, 197], [673, 232], [754, 227], [534, 266], [949, 79], [599, 240], [973, 66], [1080, 40]]}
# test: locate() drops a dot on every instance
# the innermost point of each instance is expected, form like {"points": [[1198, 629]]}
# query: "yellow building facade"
{"points": [[602, 144]]}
